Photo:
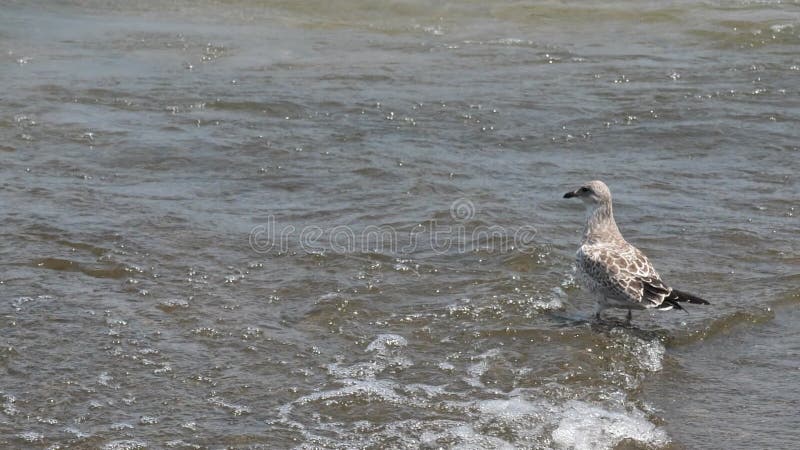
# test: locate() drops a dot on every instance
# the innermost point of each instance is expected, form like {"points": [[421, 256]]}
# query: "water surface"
{"points": [[153, 156]]}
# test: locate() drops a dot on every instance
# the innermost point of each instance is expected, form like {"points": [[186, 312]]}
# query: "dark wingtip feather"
{"points": [[671, 304], [680, 296]]}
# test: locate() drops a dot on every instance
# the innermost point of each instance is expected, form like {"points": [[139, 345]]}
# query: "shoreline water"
{"points": [[144, 144]]}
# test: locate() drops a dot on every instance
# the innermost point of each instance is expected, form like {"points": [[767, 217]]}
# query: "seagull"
{"points": [[618, 274]]}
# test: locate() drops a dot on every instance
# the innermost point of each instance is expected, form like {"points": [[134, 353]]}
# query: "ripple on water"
{"points": [[521, 419], [483, 416], [179, 443], [466, 347], [76, 432], [125, 444], [172, 305], [120, 426], [148, 420], [9, 407], [647, 355], [385, 342], [96, 270], [31, 437], [236, 410]]}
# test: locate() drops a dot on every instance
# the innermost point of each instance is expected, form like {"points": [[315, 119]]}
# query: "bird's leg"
{"points": [[597, 310], [630, 316]]}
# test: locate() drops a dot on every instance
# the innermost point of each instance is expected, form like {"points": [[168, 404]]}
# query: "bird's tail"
{"points": [[680, 296], [673, 300]]}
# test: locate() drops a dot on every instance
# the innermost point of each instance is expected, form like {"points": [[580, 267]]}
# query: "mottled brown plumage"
{"points": [[614, 271]]}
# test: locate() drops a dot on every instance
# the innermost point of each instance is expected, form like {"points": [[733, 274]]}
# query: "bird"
{"points": [[617, 273]]}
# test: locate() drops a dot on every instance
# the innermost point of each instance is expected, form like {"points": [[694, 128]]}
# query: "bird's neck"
{"points": [[600, 224]]}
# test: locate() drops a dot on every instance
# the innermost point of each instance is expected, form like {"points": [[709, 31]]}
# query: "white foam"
{"points": [[384, 342], [104, 379], [477, 370], [179, 443], [780, 27], [587, 426], [651, 356], [522, 418], [174, 303], [414, 433], [365, 370], [148, 420], [553, 304], [8, 405], [236, 410], [446, 366], [510, 409], [76, 432], [31, 437], [511, 41], [469, 438], [648, 355], [387, 349], [425, 389], [329, 297], [375, 389], [126, 444]]}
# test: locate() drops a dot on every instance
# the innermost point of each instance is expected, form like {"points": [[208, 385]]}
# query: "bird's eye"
{"points": [[584, 189]]}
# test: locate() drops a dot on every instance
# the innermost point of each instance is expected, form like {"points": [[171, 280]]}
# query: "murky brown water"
{"points": [[307, 224]]}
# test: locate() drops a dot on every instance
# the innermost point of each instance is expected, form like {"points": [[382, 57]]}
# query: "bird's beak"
{"points": [[570, 194]]}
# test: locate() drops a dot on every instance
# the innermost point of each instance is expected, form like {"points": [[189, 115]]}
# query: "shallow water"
{"points": [[297, 224]]}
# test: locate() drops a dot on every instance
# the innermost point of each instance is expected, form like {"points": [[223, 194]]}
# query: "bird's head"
{"points": [[593, 193]]}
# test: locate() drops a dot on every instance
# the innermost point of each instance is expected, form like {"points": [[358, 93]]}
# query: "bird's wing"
{"points": [[624, 272]]}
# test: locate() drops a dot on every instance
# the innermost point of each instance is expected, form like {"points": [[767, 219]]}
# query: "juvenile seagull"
{"points": [[614, 271]]}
